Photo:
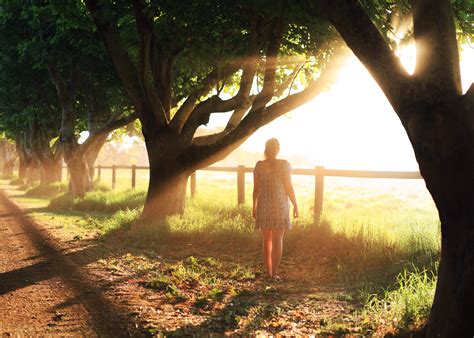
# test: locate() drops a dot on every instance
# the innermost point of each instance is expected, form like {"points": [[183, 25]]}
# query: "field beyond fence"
{"points": [[138, 176]]}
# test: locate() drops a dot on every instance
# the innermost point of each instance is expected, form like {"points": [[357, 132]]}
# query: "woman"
{"points": [[271, 190]]}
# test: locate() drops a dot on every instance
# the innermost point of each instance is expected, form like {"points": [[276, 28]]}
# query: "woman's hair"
{"points": [[272, 147]]}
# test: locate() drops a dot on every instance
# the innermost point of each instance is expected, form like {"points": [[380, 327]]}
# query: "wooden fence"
{"points": [[319, 173]]}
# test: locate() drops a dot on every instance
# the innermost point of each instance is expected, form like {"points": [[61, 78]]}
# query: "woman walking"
{"points": [[271, 191]]}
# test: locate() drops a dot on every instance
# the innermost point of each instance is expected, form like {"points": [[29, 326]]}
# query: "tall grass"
{"points": [[406, 305]]}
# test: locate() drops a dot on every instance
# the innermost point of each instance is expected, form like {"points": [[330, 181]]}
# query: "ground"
{"points": [[58, 281]]}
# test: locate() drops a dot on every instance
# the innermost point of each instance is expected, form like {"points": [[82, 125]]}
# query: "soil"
{"points": [[44, 290]]}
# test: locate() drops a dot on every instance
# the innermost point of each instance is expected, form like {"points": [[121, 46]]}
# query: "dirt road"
{"points": [[42, 289]]}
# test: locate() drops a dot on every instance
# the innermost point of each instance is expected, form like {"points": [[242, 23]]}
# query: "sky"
{"points": [[350, 126]]}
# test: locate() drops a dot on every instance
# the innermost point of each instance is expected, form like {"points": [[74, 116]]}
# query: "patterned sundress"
{"points": [[273, 208]]}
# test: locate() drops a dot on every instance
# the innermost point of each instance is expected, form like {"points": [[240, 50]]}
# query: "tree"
{"points": [[8, 156], [180, 57], [439, 121], [28, 108], [57, 41]]}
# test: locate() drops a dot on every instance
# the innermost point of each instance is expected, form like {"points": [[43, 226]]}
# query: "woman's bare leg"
{"points": [[277, 249], [267, 250]]}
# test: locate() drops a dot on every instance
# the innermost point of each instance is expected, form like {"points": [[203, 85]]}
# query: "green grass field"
{"points": [[376, 247]]}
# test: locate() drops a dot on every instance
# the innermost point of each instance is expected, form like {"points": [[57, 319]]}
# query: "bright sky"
{"points": [[351, 126]]}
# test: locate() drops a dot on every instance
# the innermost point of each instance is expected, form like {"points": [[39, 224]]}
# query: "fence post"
{"points": [[318, 193], [98, 172], [134, 176], [193, 184], [240, 184], [113, 176]]}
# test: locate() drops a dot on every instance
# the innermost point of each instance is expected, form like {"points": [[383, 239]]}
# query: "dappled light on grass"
{"points": [[368, 236]]}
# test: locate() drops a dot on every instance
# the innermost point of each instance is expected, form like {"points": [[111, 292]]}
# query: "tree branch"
{"points": [[111, 125], [118, 54], [268, 89], [437, 55], [247, 64], [361, 35], [200, 155]]}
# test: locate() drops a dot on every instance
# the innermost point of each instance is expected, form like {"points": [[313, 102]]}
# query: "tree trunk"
{"points": [[22, 169], [33, 172], [444, 148], [51, 171], [8, 167], [452, 307], [79, 181], [166, 192], [92, 152], [168, 176]]}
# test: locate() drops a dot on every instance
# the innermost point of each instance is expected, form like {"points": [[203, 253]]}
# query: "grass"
{"points": [[373, 232], [43, 190], [404, 307]]}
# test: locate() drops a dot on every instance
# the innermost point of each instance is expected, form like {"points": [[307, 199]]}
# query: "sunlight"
{"points": [[351, 126]]}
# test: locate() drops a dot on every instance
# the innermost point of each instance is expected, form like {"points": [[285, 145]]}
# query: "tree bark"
{"points": [[51, 170], [168, 175], [92, 152], [444, 148], [79, 179], [166, 191], [22, 168], [33, 173]]}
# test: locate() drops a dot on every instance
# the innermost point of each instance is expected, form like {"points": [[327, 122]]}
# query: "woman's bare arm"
{"points": [[291, 194], [255, 194]]}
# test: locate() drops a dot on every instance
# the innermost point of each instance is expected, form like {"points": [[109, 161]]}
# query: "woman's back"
{"points": [[272, 206]]}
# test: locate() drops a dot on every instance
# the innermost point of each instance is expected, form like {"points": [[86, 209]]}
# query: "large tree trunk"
{"points": [[168, 176], [453, 303], [79, 181], [166, 191], [444, 148]]}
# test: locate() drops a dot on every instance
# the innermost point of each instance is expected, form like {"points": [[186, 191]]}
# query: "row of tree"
{"points": [[172, 64], [57, 82]]}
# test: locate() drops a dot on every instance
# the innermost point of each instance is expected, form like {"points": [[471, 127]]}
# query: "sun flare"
{"points": [[351, 126]]}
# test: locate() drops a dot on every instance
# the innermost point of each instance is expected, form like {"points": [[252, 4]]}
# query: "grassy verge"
{"points": [[368, 239]]}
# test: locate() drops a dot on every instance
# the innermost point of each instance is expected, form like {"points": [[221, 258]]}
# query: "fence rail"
{"points": [[318, 173]]}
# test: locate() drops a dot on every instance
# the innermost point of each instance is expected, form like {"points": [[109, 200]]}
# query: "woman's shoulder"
{"points": [[285, 164], [257, 165]]}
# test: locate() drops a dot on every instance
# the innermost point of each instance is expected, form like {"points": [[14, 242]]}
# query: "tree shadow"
{"points": [[351, 261], [106, 318]]}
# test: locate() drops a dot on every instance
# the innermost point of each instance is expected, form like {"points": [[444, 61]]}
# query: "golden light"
{"points": [[351, 126]]}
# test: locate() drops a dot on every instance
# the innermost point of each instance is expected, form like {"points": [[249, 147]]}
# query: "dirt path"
{"points": [[42, 290]]}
